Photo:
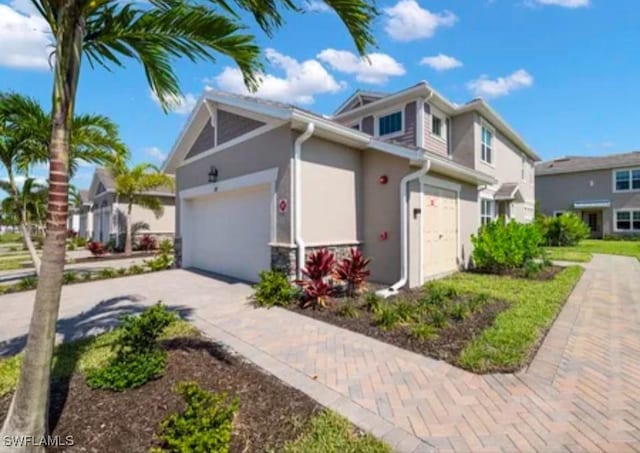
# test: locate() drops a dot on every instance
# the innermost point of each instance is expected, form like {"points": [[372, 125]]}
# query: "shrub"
{"points": [[459, 311], [317, 290], [353, 271], [26, 283], [386, 317], [147, 243], [138, 356], [273, 289], [69, 277], [423, 331], [121, 271], [135, 269], [107, 272], [348, 310], [372, 302], [87, 276], [71, 246], [164, 260], [80, 241], [501, 247], [13, 248], [204, 426], [438, 319], [96, 248], [565, 230]]}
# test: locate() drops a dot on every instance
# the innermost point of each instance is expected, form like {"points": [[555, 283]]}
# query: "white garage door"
{"points": [[440, 231], [228, 233]]}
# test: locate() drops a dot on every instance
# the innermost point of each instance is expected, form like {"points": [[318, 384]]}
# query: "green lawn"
{"points": [[583, 250], [516, 332]]}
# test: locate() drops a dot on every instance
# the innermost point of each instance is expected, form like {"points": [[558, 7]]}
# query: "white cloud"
{"points": [[182, 105], [316, 6], [407, 21], [376, 70], [301, 81], [564, 3], [24, 37], [441, 62], [155, 153], [493, 88]]}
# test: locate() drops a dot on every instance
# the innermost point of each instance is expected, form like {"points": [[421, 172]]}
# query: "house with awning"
{"points": [[603, 190]]}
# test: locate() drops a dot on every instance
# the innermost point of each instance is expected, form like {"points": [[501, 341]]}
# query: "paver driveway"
{"points": [[581, 393]]}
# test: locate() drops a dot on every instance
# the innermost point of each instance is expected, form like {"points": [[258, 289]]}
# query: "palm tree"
{"points": [[25, 130], [30, 203], [154, 33], [135, 186]]}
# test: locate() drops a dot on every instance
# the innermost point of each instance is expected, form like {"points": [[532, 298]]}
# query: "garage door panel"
{"points": [[229, 233]]}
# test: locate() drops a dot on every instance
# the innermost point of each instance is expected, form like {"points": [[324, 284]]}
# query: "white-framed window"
{"points": [[486, 145], [626, 180], [436, 126], [627, 220], [487, 211], [390, 123]]}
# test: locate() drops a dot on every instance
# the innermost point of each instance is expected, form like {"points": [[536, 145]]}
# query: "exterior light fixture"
{"points": [[213, 174]]}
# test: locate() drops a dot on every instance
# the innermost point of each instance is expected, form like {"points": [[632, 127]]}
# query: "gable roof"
{"points": [[103, 176], [325, 128], [508, 191], [84, 196], [576, 164], [424, 90], [359, 94]]}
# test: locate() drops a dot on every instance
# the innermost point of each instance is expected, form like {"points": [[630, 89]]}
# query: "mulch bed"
{"points": [[270, 414], [545, 274], [447, 345]]}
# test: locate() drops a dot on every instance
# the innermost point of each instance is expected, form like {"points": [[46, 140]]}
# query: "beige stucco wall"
{"points": [[331, 182], [272, 149], [163, 224]]}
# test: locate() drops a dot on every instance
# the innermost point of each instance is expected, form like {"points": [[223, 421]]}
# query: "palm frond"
{"points": [[158, 35], [154, 204]]}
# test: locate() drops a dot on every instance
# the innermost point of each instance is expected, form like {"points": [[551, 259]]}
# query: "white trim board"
{"points": [[252, 179]]}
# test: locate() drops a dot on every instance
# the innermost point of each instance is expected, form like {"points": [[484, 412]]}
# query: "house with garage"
{"points": [[80, 216], [603, 190], [108, 212], [408, 177]]}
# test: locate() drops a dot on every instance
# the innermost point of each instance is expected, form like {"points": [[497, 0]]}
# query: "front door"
{"points": [[593, 219], [440, 223]]}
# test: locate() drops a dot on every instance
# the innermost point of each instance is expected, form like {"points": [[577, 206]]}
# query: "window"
{"points": [[487, 211], [390, 124], [627, 180], [436, 126], [628, 220], [486, 150]]}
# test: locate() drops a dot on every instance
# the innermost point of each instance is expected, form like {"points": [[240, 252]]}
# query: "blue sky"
{"points": [[563, 73]]}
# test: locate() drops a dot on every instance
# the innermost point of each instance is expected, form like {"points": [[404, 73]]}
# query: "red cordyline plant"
{"points": [[96, 248], [318, 267], [353, 271]]}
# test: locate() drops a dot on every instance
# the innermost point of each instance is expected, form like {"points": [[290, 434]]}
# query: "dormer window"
{"points": [[390, 124]]}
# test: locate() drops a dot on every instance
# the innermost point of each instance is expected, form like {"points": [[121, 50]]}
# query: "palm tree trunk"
{"points": [[128, 238], [26, 234], [29, 408]]}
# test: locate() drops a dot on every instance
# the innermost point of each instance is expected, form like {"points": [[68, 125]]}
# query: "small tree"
{"points": [[133, 186], [565, 230]]}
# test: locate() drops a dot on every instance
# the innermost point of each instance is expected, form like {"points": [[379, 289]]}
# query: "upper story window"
{"points": [[436, 126], [390, 124], [486, 145], [487, 211], [626, 180]]}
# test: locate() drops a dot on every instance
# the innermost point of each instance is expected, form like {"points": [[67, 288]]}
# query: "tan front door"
{"points": [[440, 223]]}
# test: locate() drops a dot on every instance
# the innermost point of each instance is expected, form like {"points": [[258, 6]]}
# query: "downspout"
{"points": [[297, 196], [404, 240]]}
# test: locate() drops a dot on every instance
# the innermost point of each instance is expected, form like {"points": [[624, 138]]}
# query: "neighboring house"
{"points": [[80, 219], [260, 184], [107, 215], [604, 191]]}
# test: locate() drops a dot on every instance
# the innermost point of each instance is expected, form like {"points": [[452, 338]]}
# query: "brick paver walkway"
{"points": [[581, 393]]}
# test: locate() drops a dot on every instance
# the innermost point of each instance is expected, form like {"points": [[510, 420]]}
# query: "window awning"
{"points": [[591, 204]]}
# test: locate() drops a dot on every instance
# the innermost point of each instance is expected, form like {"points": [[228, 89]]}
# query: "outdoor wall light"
{"points": [[213, 174], [383, 179]]}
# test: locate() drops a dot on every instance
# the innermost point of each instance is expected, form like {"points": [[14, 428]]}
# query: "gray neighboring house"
{"points": [[604, 191], [407, 177], [106, 216]]}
